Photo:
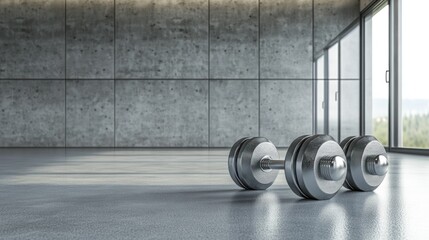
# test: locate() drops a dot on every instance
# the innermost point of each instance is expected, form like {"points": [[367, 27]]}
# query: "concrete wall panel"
{"points": [[233, 111], [286, 110], [32, 113], [234, 39], [90, 113], [158, 113], [90, 39], [32, 39], [286, 39], [162, 39]]}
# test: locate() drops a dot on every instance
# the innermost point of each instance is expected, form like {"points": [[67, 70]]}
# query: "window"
{"points": [[350, 84], [413, 79], [320, 93], [376, 67]]}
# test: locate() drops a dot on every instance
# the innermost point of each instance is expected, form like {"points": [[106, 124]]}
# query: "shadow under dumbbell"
{"points": [[225, 196], [214, 191], [244, 196]]}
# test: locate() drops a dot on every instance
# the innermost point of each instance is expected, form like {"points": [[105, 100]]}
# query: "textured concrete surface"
{"points": [[32, 39], [286, 39], [364, 3], [234, 31], [162, 113], [127, 194], [233, 111], [286, 110], [90, 38], [330, 18], [162, 39], [32, 113], [90, 113]]}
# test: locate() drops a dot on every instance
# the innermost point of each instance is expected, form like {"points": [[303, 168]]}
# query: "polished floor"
{"points": [[188, 194]]}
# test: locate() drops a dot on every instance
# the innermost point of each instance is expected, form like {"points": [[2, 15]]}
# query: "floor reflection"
{"points": [[106, 194]]}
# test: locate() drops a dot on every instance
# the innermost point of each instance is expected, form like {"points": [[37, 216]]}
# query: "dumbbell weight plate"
{"points": [[298, 169], [232, 161], [308, 174], [360, 150], [345, 144], [290, 161], [248, 163]]}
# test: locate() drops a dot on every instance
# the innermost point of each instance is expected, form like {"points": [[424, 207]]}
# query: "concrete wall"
{"points": [[365, 3], [158, 73], [330, 18]]}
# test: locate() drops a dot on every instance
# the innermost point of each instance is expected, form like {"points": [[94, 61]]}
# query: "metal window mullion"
{"points": [[326, 92], [339, 91]]}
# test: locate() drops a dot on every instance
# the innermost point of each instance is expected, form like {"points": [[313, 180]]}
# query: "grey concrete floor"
{"points": [[188, 194]]}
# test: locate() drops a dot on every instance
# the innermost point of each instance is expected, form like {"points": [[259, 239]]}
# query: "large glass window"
{"points": [[338, 87], [403, 96], [349, 84], [414, 82], [376, 70]]}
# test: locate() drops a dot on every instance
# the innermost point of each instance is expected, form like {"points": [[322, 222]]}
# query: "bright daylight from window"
{"points": [[413, 104], [415, 81]]}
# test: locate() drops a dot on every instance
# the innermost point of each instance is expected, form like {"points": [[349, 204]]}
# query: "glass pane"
{"points": [[333, 91], [415, 84], [320, 75], [349, 108], [349, 88], [376, 65], [333, 62], [350, 55]]}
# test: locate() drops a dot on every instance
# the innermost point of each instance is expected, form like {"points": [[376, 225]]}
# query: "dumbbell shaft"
{"points": [[268, 164], [330, 168]]}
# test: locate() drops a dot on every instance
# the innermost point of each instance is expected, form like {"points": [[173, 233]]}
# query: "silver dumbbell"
{"points": [[367, 163], [315, 166]]}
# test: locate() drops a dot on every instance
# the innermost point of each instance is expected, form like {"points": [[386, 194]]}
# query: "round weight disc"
{"points": [[346, 142], [345, 145], [290, 161], [360, 150], [248, 163], [309, 178], [232, 161], [298, 170]]}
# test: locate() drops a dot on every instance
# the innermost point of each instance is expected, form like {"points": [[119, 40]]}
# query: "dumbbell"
{"points": [[315, 166], [367, 163]]}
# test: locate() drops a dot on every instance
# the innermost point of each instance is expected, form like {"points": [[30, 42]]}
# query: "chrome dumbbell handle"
{"points": [[267, 164], [333, 168]]}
